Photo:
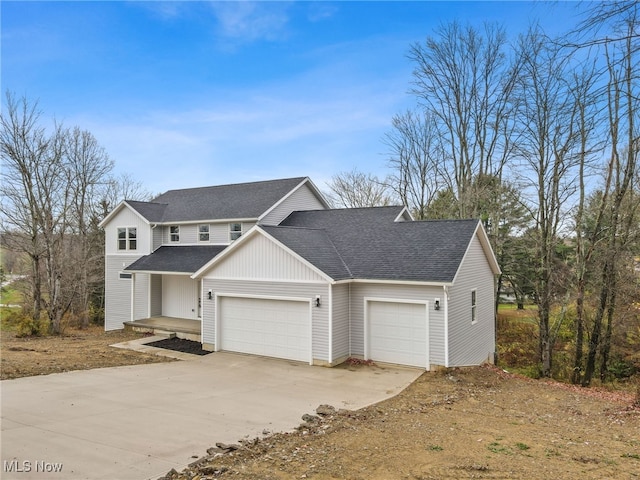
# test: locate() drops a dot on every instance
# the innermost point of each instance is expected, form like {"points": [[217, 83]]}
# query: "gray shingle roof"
{"points": [[372, 246], [315, 246], [178, 259], [241, 200]]}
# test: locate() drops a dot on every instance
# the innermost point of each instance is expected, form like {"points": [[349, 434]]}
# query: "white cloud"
{"points": [[246, 22]]}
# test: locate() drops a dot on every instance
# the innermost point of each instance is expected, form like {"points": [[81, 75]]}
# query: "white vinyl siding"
{"points": [[126, 218], [302, 199], [158, 237], [472, 343], [203, 233], [397, 332], [273, 290], [260, 258], [420, 293], [340, 328], [174, 234], [270, 327], [179, 297], [117, 305]]}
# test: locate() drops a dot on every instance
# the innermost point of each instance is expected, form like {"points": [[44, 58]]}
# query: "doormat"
{"points": [[180, 345]]}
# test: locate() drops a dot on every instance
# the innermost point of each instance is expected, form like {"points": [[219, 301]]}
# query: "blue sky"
{"points": [[185, 94]]}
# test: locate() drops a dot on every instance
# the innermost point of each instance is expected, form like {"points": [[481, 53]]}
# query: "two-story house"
{"points": [[267, 268]]}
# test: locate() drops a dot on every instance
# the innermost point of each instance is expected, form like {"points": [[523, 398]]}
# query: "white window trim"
{"points": [[127, 239], [231, 232], [474, 306], [208, 233], [171, 234]]}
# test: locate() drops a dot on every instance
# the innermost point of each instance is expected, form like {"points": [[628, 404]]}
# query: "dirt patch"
{"points": [[477, 423], [467, 423], [180, 345], [76, 350]]}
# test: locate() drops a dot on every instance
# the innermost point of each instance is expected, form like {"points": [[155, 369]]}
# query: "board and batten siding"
{"points": [[156, 295], [398, 292], [472, 344], [301, 199], [273, 290], [261, 259], [340, 313], [179, 297], [141, 292], [127, 218]]}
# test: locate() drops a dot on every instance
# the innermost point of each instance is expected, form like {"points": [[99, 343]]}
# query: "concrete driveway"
{"points": [[138, 422]]}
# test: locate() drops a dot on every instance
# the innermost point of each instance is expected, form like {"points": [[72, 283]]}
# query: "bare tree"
{"points": [[616, 218], [24, 149], [89, 170], [356, 189], [464, 80], [547, 142], [416, 161], [49, 191]]}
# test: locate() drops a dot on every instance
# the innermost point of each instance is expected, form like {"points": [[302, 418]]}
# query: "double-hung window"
{"points": [[203, 233], [174, 233], [127, 238], [235, 231]]}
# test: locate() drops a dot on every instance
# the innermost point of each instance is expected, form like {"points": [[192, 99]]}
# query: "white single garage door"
{"points": [[273, 328], [398, 332]]}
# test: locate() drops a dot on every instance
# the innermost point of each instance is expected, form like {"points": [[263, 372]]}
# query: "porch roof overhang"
{"points": [[176, 260]]}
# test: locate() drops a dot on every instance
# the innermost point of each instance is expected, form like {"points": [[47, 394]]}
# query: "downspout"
{"points": [[330, 320], [133, 296], [446, 325]]}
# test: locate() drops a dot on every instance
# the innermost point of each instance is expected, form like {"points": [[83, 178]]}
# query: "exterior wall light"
{"points": [[209, 294], [436, 304], [317, 300]]}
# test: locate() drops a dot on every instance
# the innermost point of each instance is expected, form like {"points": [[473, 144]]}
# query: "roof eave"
{"points": [[115, 211]]}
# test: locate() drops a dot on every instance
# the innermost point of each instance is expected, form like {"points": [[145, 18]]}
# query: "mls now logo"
{"points": [[15, 466]]}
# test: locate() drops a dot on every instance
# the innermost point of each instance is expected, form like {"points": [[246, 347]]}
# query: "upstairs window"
{"points": [[127, 238], [203, 233], [174, 233], [235, 231], [474, 315]]}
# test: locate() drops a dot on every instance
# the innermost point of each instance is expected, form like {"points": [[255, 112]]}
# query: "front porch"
{"points": [[173, 327]]}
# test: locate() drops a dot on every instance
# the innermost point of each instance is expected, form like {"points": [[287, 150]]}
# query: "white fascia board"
{"points": [[226, 252], [295, 255], [200, 222], [115, 211], [401, 214], [307, 181], [486, 248], [157, 272], [256, 230], [394, 282]]}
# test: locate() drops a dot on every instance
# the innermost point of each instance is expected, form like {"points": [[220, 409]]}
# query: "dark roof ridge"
{"points": [[203, 187]]}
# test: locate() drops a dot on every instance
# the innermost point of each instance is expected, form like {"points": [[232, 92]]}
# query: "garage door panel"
{"points": [[274, 328], [398, 332]]}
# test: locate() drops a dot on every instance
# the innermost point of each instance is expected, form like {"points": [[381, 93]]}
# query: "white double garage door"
{"points": [[396, 332]]}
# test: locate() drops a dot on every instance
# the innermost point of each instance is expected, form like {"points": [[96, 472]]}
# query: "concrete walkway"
{"points": [[140, 421]]}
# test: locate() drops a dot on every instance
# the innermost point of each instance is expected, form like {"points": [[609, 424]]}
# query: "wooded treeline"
{"points": [[56, 187], [540, 139]]}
